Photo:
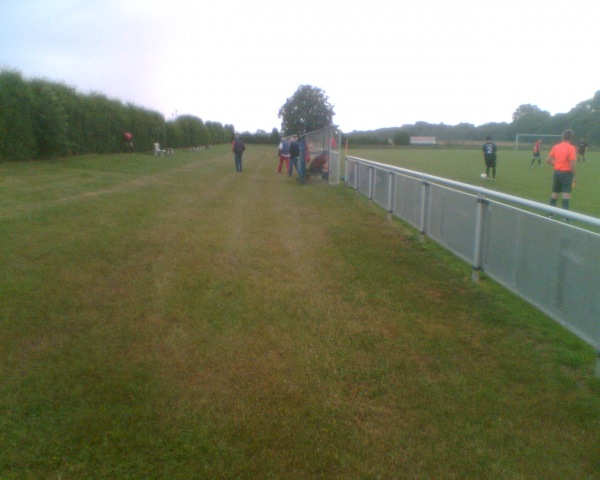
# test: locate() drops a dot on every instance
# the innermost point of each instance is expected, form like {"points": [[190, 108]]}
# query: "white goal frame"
{"points": [[534, 137]]}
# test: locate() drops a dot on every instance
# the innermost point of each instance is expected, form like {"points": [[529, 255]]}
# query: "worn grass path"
{"points": [[171, 318]]}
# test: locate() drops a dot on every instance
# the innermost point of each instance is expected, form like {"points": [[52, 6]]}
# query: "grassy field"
{"points": [[171, 318], [515, 175]]}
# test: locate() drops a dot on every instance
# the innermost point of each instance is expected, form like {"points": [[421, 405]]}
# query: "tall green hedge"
{"points": [[17, 136], [43, 119]]}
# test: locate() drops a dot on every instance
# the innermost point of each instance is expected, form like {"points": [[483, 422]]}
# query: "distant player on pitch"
{"points": [[489, 157], [581, 150], [537, 146]]}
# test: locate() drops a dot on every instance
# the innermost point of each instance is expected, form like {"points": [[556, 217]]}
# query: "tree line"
{"points": [[583, 119], [41, 119]]}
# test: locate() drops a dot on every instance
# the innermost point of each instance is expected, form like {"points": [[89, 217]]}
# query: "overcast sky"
{"points": [[382, 63]]}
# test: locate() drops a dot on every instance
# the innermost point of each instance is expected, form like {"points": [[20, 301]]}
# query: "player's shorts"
{"points": [[563, 182], [490, 162], [536, 154]]}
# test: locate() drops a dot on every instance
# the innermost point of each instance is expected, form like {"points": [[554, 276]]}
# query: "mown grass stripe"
{"points": [[194, 322]]}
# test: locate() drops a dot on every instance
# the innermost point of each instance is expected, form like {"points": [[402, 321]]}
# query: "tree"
{"points": [[585, 118], [50, 121], [308, 109], [17, 137], [229, 132], [193, 131], [531, 119], [401, 138]]}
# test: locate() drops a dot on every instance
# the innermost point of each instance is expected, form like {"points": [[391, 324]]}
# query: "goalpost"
{"points": [[529, 138]]}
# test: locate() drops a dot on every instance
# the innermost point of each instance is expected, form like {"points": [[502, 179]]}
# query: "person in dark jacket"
{"points": [[238, 148], [294, 155]]}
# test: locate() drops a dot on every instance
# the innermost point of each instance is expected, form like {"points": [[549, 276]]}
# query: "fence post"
{"points": [[424, 206], [351, 173], [371, 175], [347, 165], [346, 170], [391, 193], [476, 267]]}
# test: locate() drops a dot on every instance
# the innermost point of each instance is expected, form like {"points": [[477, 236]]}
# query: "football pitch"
{"points": [[167, 317], [515, 174]]}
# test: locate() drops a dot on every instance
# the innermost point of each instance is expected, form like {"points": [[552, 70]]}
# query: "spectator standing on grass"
{"points": [[238, 148], [537, 147], [284, 155], [489, 156], [128, 142], [562, 157], [294, 155], [581, 150]]}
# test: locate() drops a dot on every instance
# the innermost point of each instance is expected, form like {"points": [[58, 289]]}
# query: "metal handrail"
{"points": [[492, 194]]}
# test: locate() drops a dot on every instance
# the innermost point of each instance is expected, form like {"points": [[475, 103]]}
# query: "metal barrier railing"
{"points": [[554, 265]]}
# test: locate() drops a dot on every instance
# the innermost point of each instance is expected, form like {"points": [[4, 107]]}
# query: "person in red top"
{"points": [[536, 153], [563, 157], [128, 141]]}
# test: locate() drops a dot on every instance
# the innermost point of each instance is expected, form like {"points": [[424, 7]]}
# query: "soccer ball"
{"points": [[484, 176]]}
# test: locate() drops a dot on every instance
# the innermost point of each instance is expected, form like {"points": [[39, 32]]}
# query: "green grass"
{"points": [[515, 175], [170, 318]]}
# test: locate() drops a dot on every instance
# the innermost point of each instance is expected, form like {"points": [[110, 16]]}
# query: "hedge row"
{"points": [[42, 119]]}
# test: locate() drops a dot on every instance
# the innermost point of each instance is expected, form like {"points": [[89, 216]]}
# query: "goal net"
{"points": [[525, 141]]}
